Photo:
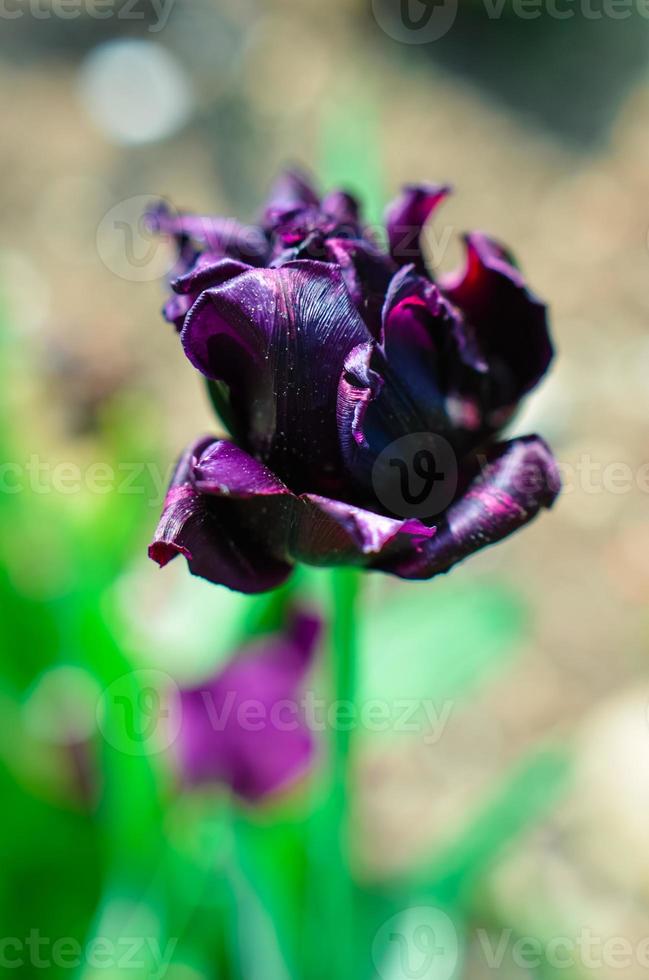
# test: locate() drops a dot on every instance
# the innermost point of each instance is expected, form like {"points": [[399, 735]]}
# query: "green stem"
{"points": [[345, 593], [328, 939], [346, 583]]}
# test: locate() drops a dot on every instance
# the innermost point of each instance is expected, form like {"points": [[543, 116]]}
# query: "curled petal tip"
{"points": [[163, 552], [405, 219]]}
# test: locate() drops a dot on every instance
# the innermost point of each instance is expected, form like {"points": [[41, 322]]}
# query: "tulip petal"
{"points": [[223, 236], [279, 338], [360, 385], [207, 271], [210, 269], [278, 528], [519, 478], [411, 296], [223, 469], [509, 321], [200, 527], [435, 373], [405, 218], [367, 273], [291, 192], [332, 532], [342, 207], [239, 526], [432, 376]]}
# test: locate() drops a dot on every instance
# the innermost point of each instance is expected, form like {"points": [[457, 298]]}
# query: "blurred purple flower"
{"points": [[324, 365], [245, 727]]}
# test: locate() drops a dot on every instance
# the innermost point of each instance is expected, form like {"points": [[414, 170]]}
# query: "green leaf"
{"points": [[436, 642], [525, 795]]}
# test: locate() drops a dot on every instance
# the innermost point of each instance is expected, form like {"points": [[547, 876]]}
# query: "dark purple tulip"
{"points": [[245, 727], [351, 377]]}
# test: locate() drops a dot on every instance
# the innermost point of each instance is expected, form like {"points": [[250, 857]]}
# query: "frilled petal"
{"points": [[208, 270], [405, 218], [431, 373], [291, 192], [297, 223], [367, 273], [245, 727], [509, 321], [516, 480], [332, 532], [342, 207], [413, 300], [279, 339], [223, 469], [194, 525], [221, 236], [360, 385], [176, 309], [435, 372], [504, 491], [305, 234], [226, 510]]}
